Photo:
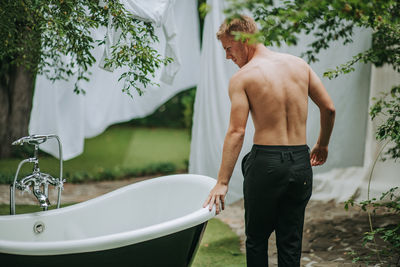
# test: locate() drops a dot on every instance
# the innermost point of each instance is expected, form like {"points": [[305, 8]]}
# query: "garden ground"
{"points": [[330, 232]]}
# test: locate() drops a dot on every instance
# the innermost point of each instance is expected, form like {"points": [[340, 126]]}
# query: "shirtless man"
{"points": [[274, 88]]}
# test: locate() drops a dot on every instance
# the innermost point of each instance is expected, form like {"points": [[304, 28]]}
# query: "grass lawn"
{"points": [[218, 248], [119, 147]]}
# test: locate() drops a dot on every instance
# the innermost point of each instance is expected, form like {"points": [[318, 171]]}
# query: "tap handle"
{"points": [[31, 139], [20, 141]]}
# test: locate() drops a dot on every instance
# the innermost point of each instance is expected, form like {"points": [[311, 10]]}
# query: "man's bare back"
{"points": [[276, 86]]}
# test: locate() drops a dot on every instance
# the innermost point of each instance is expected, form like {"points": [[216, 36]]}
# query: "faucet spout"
{"points": [[43, 200]]}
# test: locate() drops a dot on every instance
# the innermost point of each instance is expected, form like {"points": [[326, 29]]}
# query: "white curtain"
{"points": [[56, 109], [386, 174], [340, 177], [342, 183]]}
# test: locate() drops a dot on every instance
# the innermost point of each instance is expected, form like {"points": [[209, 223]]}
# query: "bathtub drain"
{"points": [[38, 228]]}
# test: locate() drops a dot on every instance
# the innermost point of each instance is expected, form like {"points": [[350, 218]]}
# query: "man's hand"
{"points": [[216, 196], [318, 155]]}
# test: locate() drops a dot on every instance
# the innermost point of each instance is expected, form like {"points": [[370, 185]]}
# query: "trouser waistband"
{"points": [[286, 152], [281, 148]]}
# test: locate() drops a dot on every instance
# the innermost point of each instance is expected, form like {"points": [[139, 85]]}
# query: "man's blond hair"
{"points": [[243, 24]]}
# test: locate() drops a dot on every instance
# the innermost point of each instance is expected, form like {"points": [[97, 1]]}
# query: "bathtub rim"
{"points": [[108, 241]]}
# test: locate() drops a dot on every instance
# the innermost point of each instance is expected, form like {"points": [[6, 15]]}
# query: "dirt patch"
{"points": [[330, 232]]}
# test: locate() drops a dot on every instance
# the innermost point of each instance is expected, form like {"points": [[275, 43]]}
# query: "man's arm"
{"points": [[321, 98], [232, 144]]}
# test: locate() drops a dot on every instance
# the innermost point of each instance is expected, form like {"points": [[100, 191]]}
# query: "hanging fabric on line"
{"points": [[159, 13], [57, 109]]}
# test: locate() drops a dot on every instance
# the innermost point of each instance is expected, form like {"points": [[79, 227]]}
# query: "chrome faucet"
{"points": [[38, 181], [41, 197]]}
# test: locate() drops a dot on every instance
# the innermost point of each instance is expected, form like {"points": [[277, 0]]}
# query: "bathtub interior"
{"points": [[129, 208]]}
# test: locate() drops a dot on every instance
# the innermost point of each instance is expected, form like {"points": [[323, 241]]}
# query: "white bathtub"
{"points": [[135, 214]]}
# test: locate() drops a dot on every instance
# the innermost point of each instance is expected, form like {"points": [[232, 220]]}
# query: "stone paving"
{"points": [[233, 215]]}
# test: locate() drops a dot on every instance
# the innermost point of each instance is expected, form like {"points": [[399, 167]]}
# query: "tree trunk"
{"points": [[16, 92]]}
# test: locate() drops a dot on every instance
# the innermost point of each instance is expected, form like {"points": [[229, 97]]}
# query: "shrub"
{"points": [[175, 113]]}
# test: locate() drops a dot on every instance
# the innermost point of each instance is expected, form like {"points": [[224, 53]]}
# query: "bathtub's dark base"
{"points": [[177, 249]]}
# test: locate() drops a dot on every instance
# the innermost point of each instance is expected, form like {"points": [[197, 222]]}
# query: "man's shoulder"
{"points": [[242, 77], [239, 76], [247, 71], [256, 69], [285, 57]]}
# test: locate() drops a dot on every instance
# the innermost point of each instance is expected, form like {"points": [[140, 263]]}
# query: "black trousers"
{"points": [[277, 186]]}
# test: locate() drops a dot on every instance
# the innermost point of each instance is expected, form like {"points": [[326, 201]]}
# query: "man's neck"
{"points": [[254, 50]]}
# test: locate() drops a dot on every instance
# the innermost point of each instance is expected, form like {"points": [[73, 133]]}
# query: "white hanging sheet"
{"points": [[340, 183], [158, 12], [56, 109], [340, 177]]}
